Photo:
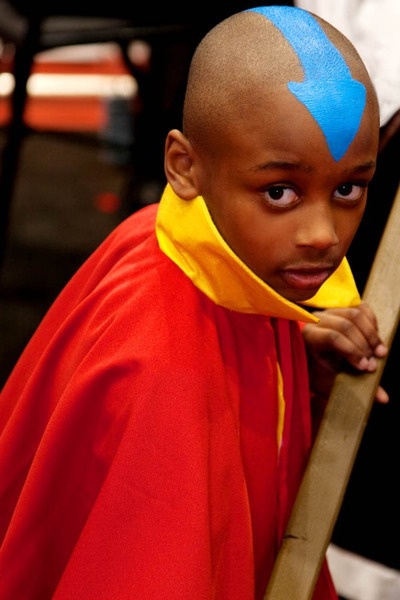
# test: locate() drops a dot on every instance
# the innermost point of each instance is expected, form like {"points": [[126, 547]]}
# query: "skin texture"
{"points": [[281, 201]]}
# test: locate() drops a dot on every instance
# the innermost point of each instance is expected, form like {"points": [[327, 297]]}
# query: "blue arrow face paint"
{"points": [[334, 99]]}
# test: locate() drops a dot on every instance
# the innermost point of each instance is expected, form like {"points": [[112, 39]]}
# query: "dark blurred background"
{"points": [[56, 222]]}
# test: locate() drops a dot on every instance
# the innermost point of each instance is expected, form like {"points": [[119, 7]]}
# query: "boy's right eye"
{"points": [[280, 196]]}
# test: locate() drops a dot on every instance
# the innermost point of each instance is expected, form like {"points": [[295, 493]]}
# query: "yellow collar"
{"points": [[188, 236]]}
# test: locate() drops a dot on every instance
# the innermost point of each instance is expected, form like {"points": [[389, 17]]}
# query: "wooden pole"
{"points": [[335, 448]]}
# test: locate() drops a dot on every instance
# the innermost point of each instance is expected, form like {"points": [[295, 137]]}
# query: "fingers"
{"points": [[352, 333], [381, 396], [349, 334]]}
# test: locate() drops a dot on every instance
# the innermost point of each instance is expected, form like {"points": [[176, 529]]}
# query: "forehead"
{"points": [[279, 128]]}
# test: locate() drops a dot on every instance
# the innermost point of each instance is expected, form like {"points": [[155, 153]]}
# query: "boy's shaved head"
{"points": [[270, 49]]}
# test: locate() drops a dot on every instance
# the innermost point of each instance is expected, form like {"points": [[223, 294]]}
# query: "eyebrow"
{"points": [[282, 164], [364, 167]]}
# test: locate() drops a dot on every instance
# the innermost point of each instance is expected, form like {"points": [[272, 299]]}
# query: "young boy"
{"points": [[155, 430]]}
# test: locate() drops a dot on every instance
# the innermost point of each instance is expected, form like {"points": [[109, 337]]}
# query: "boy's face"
{"points": [[278, 197]]}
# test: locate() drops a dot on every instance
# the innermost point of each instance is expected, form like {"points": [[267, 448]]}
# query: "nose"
{"points": [[317, 227]]}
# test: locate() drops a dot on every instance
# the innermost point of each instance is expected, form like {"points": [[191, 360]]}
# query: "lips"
{"points": [[306, 278]]}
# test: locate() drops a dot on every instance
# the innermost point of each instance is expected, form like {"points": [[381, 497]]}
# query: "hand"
{"points": [[343, 334]]}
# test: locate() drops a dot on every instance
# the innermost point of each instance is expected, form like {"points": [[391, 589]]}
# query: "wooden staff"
{"points": [[332, 457]]}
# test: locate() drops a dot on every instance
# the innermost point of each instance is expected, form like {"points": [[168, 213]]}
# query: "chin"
{"points": [[300, 295]]}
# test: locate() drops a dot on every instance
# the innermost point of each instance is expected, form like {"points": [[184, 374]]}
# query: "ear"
{"points": [[178, 164]]}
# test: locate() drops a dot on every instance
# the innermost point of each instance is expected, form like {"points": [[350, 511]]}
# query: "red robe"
{"points": [[145, 451]]}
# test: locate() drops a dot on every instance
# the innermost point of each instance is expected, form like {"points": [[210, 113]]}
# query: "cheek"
{"points": [[347, 224], [259, 244]]}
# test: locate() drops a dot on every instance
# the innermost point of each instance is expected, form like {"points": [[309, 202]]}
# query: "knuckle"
{"points": [[346, 326]]}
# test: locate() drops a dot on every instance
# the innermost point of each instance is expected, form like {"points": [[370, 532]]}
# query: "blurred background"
{"points": [[72, 173]]}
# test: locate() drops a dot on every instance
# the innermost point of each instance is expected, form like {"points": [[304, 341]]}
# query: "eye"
{"points": [[349, 191], [279, 195]]}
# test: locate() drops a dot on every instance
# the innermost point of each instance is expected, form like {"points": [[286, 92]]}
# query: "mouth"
{"points": [[307, 277]]}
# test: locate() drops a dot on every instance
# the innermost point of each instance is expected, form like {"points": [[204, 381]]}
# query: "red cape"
{"points": [[139, 455]]}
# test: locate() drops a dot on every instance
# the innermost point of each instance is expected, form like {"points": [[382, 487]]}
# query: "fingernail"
{"points": [[363, 364], [381, 350]]}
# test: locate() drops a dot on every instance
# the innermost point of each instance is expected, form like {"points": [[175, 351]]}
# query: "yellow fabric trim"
{"points": [[281, 406], [187, 234], [339, 290]]}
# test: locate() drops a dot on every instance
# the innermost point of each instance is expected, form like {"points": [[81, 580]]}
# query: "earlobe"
{"points": [[178, 164]]}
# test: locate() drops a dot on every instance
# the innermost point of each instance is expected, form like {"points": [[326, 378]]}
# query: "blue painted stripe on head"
{"points": [[334, 99]]}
